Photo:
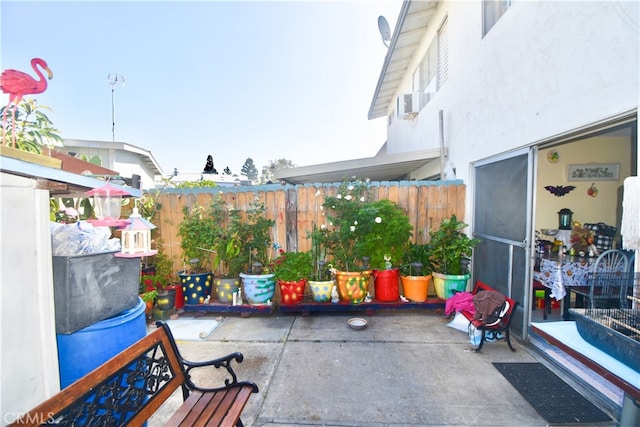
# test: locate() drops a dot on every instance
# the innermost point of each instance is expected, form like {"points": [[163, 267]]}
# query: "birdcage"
{"points": [[611, 320]]}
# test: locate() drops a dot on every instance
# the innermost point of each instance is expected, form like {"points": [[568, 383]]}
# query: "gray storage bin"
{"points": [[91, 288]]}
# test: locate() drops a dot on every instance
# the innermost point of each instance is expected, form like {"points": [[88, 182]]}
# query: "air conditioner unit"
{"points": [[408, 103]]}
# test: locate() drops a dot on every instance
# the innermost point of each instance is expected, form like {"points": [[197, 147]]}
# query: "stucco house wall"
{"points": [[544, 69]]}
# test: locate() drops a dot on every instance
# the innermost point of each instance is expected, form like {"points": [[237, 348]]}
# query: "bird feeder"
{"points": [[107, 202], [136, 236]]}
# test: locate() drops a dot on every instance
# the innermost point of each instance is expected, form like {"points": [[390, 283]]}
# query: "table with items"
{"points": [[561, 272]]}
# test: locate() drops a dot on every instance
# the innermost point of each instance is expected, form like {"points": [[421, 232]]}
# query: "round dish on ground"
{"points": [[357, 323]]}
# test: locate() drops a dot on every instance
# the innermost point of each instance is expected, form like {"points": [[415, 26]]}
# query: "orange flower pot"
{"points": [[353, 285]]}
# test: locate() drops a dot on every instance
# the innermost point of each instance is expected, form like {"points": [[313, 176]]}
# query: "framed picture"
{"points": [[594, 172]]}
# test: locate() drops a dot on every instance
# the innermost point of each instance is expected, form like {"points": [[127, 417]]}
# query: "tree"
{"points": [[249, 169], [209, 167], [34, 130], [272, 167]]}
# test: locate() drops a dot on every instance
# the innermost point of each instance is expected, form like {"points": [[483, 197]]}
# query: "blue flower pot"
{"points": [[258, 288]]}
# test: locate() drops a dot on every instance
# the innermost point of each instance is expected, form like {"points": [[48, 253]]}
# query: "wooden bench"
{"points": [[496, 330], [130, 387]]}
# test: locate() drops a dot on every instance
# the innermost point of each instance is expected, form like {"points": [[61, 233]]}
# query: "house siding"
{"points": [[544, 69]]}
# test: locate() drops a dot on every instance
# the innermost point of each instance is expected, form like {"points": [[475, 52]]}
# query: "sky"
{"points": [[234, 79]]}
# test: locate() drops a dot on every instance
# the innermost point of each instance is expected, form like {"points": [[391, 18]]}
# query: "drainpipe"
{"points": [[441, 134]]}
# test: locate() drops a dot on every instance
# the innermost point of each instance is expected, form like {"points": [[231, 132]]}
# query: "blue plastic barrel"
{"points": [[82, 351]]}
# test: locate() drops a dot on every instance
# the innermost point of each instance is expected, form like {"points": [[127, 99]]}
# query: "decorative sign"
{"points": [[594, 172]]}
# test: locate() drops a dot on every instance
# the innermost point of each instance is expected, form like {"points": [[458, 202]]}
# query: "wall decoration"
{"points": [[594, 172], [592, 191], [559, 190], [553, 156]]}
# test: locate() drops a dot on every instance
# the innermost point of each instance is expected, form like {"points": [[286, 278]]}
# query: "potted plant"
{"points": [[345, 237], [167, 290], [291, 270], [34, 133], [385, 238], [451, 249], [149, 298], [198, 232], [321, 281], [148, 291], [253, 236], [227, 247], [415, 272]]}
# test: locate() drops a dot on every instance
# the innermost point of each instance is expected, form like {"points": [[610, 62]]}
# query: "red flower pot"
{"points": [[292, 292]]}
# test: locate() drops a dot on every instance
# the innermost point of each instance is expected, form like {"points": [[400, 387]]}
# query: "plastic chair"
{"points": [[612, 260], [609, 280], [609, 289]]}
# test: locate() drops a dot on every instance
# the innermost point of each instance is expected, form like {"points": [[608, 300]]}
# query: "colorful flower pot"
{"points": [[353, 285], [291, 292], [321, 290], [179, 297], [445, 284], [258, 288], [225, 288], [386, 285], [415, 288], [166, 299], [195, 287]]}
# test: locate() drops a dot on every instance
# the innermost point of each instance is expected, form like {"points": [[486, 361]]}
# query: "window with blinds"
{"points": [[432, 71], [443, 54]]}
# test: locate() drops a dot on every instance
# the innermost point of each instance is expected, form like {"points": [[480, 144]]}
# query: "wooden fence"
{"points": [[295, 208]]}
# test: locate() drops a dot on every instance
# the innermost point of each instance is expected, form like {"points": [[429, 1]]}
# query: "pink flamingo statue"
{"points": [[18, 84]]}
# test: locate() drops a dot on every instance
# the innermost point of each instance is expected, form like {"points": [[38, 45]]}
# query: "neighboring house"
{"points": [[222, 180], [125, 158]]}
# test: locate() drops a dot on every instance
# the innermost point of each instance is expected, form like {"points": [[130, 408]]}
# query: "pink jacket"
{"points": [[461, 301]]}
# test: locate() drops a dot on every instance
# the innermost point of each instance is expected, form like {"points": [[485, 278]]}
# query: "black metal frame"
{"points": [[121, 396]]}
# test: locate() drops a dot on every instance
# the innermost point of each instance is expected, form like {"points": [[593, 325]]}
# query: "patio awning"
{"points": [[389, 167]]}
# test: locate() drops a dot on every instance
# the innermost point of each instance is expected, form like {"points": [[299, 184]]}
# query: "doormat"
{"points": [[555, 400], [192, 329]]}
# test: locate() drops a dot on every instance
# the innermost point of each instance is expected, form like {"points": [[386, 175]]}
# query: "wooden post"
{"points": [[291, 219]]}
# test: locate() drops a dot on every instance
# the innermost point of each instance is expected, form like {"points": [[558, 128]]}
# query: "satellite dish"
{"points": [[385, 31], [115, 79]]}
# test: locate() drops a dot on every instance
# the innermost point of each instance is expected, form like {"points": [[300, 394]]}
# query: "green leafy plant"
{"points": [[343, 234], [417, 260], [165, 273], [450, 246], [199, 231], [69, 210], [360, 228], [292, 266], [34, 130], [149, 296], [385, 233], [321, 269], [244, 239], [149, 204]]}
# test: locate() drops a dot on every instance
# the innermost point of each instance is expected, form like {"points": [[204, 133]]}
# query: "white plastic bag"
{"points": [[81, 238]]}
